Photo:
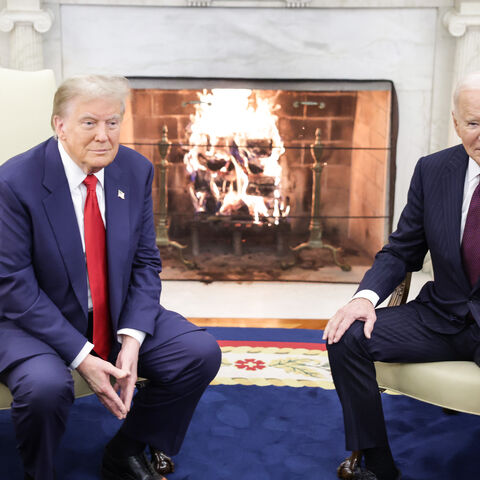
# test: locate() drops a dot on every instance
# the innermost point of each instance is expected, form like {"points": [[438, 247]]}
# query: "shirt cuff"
{"points": [[87, 348], [369, 295], [131, 332]]}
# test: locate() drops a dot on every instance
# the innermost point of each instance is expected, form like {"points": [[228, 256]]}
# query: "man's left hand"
{"points": [[127, 360]]}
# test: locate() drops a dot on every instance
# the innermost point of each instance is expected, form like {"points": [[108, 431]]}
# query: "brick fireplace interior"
{"points": [[239, 216]]}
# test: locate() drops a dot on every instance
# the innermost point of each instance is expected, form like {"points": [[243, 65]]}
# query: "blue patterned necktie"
{"points": [[471, 239]]}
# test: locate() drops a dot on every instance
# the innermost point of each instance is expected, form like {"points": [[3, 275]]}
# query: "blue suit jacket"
{"points": [[43, 278], [431, 221]]}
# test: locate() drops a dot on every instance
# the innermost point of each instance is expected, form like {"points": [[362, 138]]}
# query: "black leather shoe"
{"points": [[350, 469], [136, 467], [162, 463]]}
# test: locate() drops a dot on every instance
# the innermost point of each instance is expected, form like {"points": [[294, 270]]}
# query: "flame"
{"points": [[233, 160]]}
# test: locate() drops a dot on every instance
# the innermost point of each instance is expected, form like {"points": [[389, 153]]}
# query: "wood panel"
{"points": [[313, 324]]}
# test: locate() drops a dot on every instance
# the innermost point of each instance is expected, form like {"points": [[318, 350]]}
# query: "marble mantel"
{"points": [[267, 3]]}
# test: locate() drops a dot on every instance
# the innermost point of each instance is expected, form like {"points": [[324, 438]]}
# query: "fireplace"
{"points": [[263, 177]]}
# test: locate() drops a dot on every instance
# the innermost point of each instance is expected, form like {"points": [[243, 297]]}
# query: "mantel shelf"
{"points": [[266, 3]]}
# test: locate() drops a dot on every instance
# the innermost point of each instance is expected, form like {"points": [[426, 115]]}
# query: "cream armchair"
{"points": [[26, 100], [451, 385], [25, 108]]}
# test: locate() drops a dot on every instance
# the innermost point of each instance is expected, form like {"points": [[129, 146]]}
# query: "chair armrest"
{"points": [[400, 294]]}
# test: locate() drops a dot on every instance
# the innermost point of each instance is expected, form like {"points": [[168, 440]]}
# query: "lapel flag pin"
{"points": [[121, 195]]}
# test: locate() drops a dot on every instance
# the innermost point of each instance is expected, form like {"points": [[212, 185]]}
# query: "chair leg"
{"points": [[348, 467]]}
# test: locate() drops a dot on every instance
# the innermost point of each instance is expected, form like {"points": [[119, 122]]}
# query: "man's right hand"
{"points": [[96, 373], [357, 309]]}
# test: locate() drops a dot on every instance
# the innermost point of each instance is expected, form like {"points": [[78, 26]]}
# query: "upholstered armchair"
{"points": [[26, 105], [454, 386], [26, 100]]}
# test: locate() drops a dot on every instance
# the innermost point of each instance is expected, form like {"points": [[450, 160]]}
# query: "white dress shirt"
{"points": [[78, 190], [472, 178]]}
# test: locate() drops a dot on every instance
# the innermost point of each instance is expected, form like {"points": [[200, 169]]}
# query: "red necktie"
{"points": [[471, 239], [95, 249]]}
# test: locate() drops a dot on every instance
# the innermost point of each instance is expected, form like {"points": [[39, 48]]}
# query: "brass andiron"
{"points": [[162, 228], [315, 239]]}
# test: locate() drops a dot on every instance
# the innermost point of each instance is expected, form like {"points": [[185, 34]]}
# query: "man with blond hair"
{"points": [[80, 289], [442, 215]]}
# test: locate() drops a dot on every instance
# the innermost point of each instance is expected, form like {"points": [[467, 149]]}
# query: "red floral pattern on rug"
{"points": [[250, 364]]}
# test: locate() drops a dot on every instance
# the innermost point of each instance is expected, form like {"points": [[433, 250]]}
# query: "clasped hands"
{"points": [[117, 398], [357, 309]]}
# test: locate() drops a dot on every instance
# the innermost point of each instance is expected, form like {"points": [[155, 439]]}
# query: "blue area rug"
{"points": [[271, 433]]}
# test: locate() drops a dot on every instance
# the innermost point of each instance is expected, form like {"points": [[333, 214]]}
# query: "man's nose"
{"points": [[101, 132]]}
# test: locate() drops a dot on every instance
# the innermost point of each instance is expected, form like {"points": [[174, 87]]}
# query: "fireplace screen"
{"points": [[262, 180]]}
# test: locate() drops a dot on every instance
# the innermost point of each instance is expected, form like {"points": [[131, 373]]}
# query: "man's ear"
{"points": [[58, 126], [455, 122]]}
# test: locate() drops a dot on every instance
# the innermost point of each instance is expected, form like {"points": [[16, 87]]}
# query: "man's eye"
{"points": [[472, 124], [87, 123], [113, 124]]}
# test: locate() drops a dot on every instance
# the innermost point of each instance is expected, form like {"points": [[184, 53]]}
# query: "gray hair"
{"points": [[89, 87], [470, 82]]}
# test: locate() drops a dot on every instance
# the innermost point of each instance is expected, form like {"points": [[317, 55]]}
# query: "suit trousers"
{"points": [[178, 370], [398, 336]]}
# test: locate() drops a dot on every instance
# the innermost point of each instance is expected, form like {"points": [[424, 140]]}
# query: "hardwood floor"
{"points": [[314, 324]]}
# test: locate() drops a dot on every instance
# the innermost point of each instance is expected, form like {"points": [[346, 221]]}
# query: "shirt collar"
{"points": [[473, 169], [75, 175]]}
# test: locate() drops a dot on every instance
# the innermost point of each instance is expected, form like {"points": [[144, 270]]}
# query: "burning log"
{"points": [[215, 164], [236, 209], [233, 161], [261, 186]]}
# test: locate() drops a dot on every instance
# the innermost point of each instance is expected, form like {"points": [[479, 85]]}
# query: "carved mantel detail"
{"points": [[297, 3], [199, 3], [25, 24], [457, 23], [40, 19]]}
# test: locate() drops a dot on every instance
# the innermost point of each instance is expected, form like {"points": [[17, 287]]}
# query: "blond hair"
{"points": [[89, 87]]}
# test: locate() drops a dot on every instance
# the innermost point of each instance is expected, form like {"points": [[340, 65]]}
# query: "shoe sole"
{"points": [[109, 475]]}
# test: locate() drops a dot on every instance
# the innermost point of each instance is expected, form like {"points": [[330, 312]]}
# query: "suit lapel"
{"points": [[117, 208], [453, 186], [61, 214]]}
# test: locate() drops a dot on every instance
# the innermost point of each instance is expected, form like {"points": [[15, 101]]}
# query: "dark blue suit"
{"points": [[440, 324], [44, 310]]}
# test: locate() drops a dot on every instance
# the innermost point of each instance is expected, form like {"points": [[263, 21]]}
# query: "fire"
{"points": [[234, 155]]}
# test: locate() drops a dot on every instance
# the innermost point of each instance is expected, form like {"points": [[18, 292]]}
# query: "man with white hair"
{"points": [[442, 215], [80, 289]]}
